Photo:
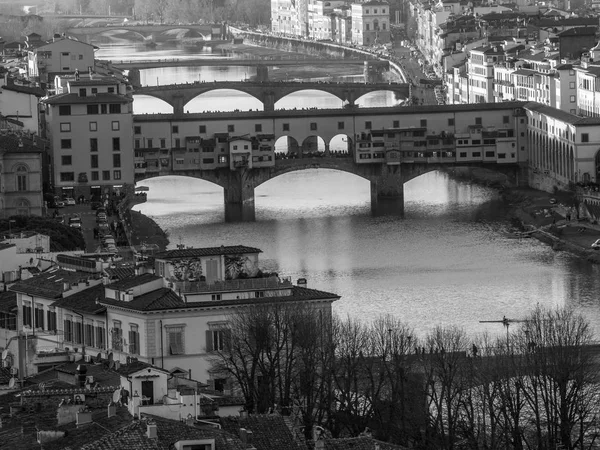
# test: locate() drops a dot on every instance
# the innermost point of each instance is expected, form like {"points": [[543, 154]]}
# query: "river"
{"points": [[448, 261]]}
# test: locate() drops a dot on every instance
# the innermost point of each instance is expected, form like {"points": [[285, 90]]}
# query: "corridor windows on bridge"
{"points": [[175, 129], [368, 125], [340, 125], [137, 129], [313, 126], [258, 128], [286, 127], [423, 123], [506, 119], [231, 128], [451, 122], [396, 124], [93, 126]]}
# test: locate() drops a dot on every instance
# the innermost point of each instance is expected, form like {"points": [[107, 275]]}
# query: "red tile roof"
{"points": [[84, 301], [269, 431], [49, 284]]}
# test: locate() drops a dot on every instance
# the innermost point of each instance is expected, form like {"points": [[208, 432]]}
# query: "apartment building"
{"points": [[21, 174], [89, 123], [62, 55], [370, 23]]}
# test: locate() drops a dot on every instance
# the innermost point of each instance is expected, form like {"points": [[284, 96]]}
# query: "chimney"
{"points": [[151, 431]]}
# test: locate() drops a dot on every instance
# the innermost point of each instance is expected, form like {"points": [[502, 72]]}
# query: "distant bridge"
{"points": [[145, 31], [297, 60], [268, 92]]}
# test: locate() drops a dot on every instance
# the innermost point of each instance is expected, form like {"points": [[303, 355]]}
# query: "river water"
{"points": [[448, 261]]}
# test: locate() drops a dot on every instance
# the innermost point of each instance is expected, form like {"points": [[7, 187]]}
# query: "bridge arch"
{"points": [[112, 31], [341, 144], [313, 145], [142, 103], [229, 100], [286, 147], [374, 98], [307, 99]]}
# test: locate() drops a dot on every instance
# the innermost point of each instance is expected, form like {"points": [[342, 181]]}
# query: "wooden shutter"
{"points": [[209, 341]]}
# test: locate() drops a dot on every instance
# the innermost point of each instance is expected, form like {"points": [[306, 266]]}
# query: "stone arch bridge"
{"points": [[145, 31], [387, 181], [268, 92]]}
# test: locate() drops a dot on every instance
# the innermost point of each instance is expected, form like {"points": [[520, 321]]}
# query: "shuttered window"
{"points": [[175, 340]]}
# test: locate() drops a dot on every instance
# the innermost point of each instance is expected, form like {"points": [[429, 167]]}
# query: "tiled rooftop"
{"points": [[49, 284], [131, 282], [119, 273], [207, 251], [269, 432], [101, 97], [84, 301], [562, 115], [14, 143], [38, 92], [167, 299], [8, 301]]}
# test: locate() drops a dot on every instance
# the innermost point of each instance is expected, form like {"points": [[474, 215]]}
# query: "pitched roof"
{"points": [[8, 301], [165, 298], [562, 115], [579, 31], [18, 144], [207, 251], [134, 437], [131, 282], [133, 367], [101, 97], [65, 38], [84, 301], [570, 21], [119, 273], [49, 284], [100, 81], [162, 298], [269, 432], [38, 92]]}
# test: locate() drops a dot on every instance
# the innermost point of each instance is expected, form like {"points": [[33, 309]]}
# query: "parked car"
{"points": [[95, 205], [75, 222], [70, 201], [60, 219], [101, 217]]}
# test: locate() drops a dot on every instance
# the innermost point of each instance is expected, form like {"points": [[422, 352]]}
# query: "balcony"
{"points": [[250, 284]]}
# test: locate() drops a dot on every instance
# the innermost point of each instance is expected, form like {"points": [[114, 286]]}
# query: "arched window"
{"points": [[21, 175], [22, 207]]}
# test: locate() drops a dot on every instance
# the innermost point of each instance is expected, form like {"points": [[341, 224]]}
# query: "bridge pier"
{"points": [[178, 104], [387, 192], [239, 198], [269, 101]]}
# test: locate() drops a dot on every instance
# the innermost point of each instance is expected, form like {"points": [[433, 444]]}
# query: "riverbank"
{"points": [[145, 231]]}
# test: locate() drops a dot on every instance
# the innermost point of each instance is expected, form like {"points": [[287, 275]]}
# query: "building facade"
{"points": [[62, 55], [89, 125]]}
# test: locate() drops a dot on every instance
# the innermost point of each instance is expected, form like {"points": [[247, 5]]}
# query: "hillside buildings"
{"points": [[345, 22]]}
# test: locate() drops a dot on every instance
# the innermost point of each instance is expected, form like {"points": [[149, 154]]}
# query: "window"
{"points": [[88, 338], [368, 125], [478, 121], [95, 175], [396, 124], [177, 142], [65, 127], [230, 128], [222, 159], [202, 129], [100, 335], [116, 144], [490, 154], [216, 339], [39, 316], [21, 178], [572, 85], [505, 119], [476, 142], [136, 144], [585, 137], [216, 297], [463, 154], [67, 176], [64, 110], [93, 126], [68, 328], [66, 160], [116, 336], [92, 109], [163, 143], [94, 161], [117, 174], [134, 340], [106, 175], [313, 126], [83, 92], [175, 340], [77, 332], [51, 319], [94, 90], [423, 123], [572, 99], [93, 144], [116, 160], [149, 143], [137, 129], [113, 108], [451, 122], [258, 127], [286, 127], [115, 125], [65, 143], [476, 154]]}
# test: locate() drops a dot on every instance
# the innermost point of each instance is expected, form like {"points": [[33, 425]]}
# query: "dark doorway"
{"points": [[148, 392]]}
